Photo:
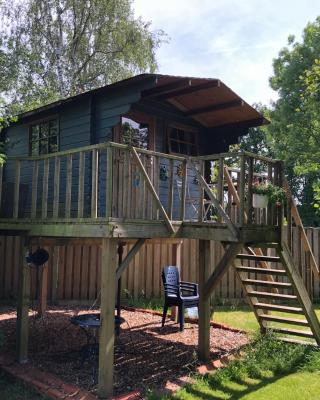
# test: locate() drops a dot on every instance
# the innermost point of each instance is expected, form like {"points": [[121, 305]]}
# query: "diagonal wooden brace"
{"points": [[227, 260]]}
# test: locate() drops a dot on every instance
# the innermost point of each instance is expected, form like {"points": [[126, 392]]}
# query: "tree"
{"points": [[295, 128], [59, 48]]}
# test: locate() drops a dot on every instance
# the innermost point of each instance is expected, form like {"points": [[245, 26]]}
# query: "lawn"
{"points": [[267, 369]]}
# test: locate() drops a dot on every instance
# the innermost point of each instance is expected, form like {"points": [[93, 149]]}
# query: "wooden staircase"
{"points": [[275, 292]]}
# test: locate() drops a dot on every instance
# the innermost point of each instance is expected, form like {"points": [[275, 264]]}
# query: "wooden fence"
{"points": [[77, 276]]}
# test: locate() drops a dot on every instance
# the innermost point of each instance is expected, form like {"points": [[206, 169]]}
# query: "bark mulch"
{"points": [[146, 355]]}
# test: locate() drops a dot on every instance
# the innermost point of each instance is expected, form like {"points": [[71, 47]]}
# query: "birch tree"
{"points": [[59, 48]]}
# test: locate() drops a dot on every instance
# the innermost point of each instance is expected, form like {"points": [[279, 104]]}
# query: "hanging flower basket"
{"points": [[265, 192], [260, 200]]}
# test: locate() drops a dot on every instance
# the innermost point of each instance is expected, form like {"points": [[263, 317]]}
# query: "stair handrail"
{"points": [[297, 219]]}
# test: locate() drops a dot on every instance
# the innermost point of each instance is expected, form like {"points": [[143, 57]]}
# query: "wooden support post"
{"points": [[204, 302], [23, 304], [176, 260], [108, 292], [43, 290], [55, 272]]}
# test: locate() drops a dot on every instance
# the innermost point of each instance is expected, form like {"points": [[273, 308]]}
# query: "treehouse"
{"points": [[147, 159]]}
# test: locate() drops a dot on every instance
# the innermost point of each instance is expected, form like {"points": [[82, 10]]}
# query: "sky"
{"points": [[233, 40]]}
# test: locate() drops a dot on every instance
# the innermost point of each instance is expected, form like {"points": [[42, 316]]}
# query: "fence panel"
{"points": [[77, 275]]}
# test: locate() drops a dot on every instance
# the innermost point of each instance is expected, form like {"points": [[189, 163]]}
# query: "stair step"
{"points": [[268, 271], [285, 320], [297, 341], [257, 282], [255, 257], [254, 293], [262, 245], [276, 307], [295, 332]]}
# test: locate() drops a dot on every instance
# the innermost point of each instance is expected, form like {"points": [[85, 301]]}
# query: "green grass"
{"points": [[11, 390], [242, 317], [269, 370]]}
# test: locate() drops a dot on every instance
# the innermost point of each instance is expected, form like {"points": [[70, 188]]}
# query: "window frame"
{"points": [[185, 128], [140, 118], [39, 122]]}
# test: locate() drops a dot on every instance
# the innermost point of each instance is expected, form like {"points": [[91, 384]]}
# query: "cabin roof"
{"points": [[206, 100]]}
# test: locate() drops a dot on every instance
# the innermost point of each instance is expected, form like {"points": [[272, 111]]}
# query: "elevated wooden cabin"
{"points": [[147, 158]]}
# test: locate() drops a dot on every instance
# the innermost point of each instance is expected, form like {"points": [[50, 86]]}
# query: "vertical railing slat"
{"points": [[81, 184], [128, 183], [34, 195], [68, 187], [16, 189], [249, 193], [156, 168], [94, 184], [220, 184], [201, 194], [242, 189], [170, 192], [183, 190], [109, 182], [56, 188], [44, 207], [269, 208]]}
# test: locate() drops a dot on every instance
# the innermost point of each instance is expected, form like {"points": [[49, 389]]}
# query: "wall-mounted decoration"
{"points": [[163, 174], [136, 180], [180, 170]]}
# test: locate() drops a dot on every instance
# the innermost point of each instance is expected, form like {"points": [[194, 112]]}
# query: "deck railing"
{"points": [[111, 180]]}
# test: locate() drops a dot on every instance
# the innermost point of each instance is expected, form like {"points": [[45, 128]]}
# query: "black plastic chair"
{"points": [[178, 293]]}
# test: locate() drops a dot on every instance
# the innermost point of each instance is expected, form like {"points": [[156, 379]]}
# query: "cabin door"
{"points": [[131, 197]]}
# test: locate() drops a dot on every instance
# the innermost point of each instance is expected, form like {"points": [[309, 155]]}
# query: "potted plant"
{"points": [[265, 192]]}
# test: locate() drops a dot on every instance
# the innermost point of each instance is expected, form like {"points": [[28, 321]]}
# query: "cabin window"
{"points": [[182, 141], [135, 133], [44, 137]]}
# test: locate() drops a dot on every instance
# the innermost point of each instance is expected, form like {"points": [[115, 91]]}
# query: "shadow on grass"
{"points": [[241, 388]]}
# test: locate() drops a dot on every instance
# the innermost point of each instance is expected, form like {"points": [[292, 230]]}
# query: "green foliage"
{"points": [[61, 48], [295, 129]]}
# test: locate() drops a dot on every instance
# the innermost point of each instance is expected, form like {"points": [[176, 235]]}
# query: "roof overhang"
{"points": [[209, 102]]}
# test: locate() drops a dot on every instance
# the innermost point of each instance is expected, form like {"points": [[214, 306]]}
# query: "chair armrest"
{"points": [[189, 287], [188, 283]]}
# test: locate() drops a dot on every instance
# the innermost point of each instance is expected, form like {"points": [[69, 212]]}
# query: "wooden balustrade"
{"points": [[111, 180]]}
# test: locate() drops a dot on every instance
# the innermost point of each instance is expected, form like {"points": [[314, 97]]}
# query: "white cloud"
{"points": [[228, 39]]}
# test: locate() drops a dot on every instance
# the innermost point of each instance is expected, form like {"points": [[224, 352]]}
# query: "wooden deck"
{"points": [[111, 190]]}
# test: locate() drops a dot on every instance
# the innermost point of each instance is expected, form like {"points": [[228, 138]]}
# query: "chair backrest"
{"points": [[170, 279]]}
